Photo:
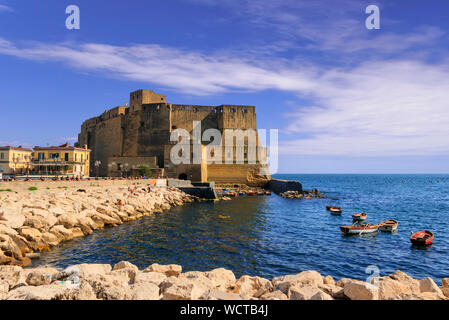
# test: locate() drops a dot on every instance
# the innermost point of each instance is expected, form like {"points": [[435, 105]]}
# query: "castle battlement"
{"points": [[142, 130]]}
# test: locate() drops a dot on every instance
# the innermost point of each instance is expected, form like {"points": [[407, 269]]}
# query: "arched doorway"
{"points": [[182, 176]]}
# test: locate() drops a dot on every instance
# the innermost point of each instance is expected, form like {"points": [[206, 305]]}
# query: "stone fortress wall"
{"points": [[143, 130]]}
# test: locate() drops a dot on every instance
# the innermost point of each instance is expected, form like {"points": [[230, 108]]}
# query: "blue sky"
{"points": [[345, 99]]}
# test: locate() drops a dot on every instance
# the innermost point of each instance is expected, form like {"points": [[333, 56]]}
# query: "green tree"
{"points": [[145, 170]]}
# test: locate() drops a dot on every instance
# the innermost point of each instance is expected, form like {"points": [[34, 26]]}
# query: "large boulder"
{"points": [[445, 282], [306, 277], [406, 280], [252, 286], [334, 291], [125, 264], [45, 292], [150, 277], [174, 288], [9, 247], [168, 270], [67, 220], [12, 218], [306, 292], [4, 229], [199, 279], [62, 233], [275, 295], [389, 288], [145, 291], [359, 290], [31, 234], [428, 285], [418, 296], [11, 275], [216, 294], [222, 278]]}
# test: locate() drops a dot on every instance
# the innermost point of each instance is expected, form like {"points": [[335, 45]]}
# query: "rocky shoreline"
{"points": [[35, 216], [124, 281]]}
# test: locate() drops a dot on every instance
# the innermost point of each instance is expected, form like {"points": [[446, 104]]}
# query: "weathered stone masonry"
{"points": [[142, 130]]}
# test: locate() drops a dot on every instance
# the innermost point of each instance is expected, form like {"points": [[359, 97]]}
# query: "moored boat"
{"points": [[328, 208], [251, 193], [359, 216], [389, 226], [336, 211], [359, 229], [422, 238]]}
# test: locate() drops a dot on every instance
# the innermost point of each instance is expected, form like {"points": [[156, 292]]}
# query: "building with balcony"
{"points": [[61, 160], [15, 160]]}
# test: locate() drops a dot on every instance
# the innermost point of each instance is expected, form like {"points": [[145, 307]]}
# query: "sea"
{"points": [[270, 236]]}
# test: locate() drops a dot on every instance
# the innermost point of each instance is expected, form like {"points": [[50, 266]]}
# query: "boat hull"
{"points": [[422, 238], [358, 231], [388, 228]]}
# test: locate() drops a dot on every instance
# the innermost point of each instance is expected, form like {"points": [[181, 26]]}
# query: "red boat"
{"points": [[422, 238]]}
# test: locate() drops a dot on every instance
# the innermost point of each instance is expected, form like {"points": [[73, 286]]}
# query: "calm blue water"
{"points": [[271, 236]]}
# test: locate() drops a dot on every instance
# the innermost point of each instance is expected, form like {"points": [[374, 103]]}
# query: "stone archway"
{"points": [[182, 176]]}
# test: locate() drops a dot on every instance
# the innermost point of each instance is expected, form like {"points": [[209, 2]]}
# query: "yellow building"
{"points": [[62, 160], [15, 160]]}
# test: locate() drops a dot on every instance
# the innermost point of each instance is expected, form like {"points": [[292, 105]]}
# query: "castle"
{"points": [[125, 138]]}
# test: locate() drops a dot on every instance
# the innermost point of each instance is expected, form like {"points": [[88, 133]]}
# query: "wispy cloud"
{"points": [[4, 7], [390, 100], [392, 107]]}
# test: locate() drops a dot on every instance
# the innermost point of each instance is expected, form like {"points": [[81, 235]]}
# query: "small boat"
{"points": [[359, 216], [422, 238], [335, 211], [388, 226], [260, 193], [251, 193], [268, 193], [328, 208], [241, 193], [360, 229]]}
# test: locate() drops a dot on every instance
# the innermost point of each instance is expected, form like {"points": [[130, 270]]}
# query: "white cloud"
{"points": [[392, 107], [190, 72], [375, 107], [378, 108], [4, 7]]}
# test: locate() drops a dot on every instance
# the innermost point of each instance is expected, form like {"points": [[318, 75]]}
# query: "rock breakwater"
{"points": [[124, 281], [34, 220]]}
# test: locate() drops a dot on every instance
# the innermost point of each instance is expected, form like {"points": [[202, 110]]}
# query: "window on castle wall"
{"points": [[243, 110], [232, 110]]}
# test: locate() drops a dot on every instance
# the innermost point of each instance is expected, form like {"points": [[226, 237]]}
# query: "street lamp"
{"points": [[97, 164], [126, 168]]}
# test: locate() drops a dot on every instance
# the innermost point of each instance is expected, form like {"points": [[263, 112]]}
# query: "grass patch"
{"points": [[5, 190], [32, 188]]}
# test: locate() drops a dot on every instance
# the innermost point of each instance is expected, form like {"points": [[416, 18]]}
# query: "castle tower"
{"points": [[140, 97]]}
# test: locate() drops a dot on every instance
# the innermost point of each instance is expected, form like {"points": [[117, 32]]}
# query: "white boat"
{"points": [[360, 229], [388, 226]]}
